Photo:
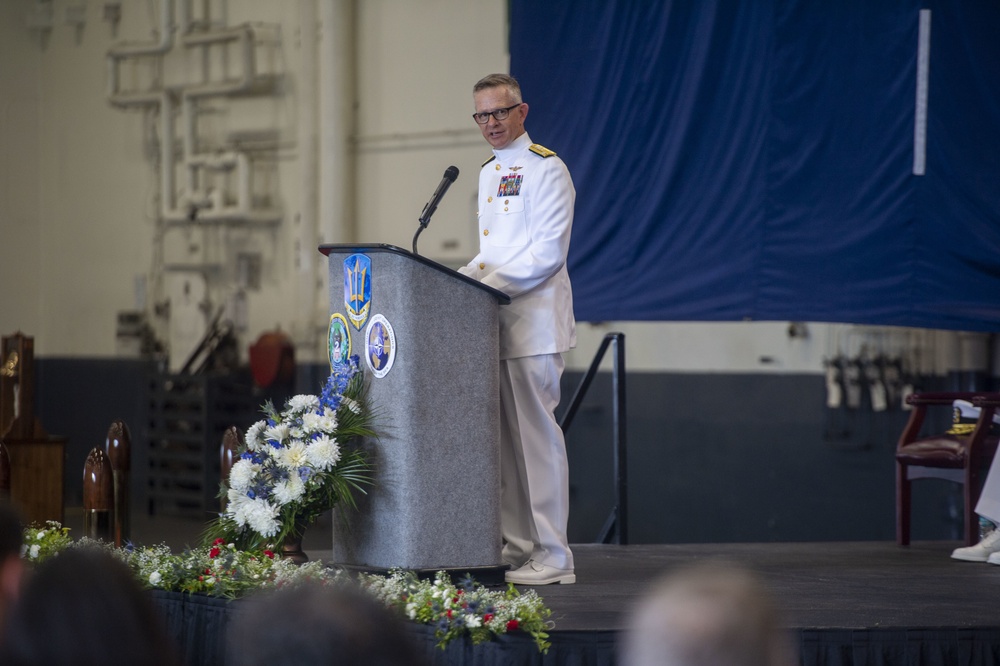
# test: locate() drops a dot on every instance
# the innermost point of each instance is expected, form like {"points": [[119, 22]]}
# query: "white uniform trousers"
{"points": [[988, 505], [534, 470]]}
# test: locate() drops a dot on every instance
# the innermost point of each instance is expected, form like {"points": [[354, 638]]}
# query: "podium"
{"points": [[428, 341], [37, 459]]}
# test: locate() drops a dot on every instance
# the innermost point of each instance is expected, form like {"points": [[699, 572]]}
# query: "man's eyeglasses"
{"points": [[500, 114]]}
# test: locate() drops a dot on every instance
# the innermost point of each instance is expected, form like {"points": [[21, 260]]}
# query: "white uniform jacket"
{"points": [[526, 199]]}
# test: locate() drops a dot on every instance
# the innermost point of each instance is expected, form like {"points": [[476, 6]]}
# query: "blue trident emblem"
{"points": [[358, 288]]}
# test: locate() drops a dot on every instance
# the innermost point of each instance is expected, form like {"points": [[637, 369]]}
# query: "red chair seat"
{"points": [[945, 451]]}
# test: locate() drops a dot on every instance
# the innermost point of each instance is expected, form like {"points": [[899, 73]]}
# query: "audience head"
{"points": [[309, 625], [11, 564], [707, 615], [83, 607]]}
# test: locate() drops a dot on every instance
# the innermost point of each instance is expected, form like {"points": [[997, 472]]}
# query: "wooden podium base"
{"points": [[37, 476]]}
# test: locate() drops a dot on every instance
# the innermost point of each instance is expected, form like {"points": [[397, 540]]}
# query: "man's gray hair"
{"points": [[500, 81]]}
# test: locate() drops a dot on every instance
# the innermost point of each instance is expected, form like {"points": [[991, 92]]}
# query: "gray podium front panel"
{"points": [[436, 497]]}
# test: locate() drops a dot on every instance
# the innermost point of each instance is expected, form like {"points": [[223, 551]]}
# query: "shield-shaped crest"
{"points": [[381, 346], [338, 341], [358, 288]]}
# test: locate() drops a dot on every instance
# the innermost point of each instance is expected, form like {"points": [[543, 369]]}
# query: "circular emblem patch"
{"points": [[338, 340], [381, 345]]}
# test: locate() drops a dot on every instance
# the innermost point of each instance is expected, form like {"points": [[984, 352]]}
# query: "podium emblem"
{"points": [[338, 340], [380, 341], [358, 288]]}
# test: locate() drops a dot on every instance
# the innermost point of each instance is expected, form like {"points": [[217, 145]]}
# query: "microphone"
{"points": [[450, 174]]}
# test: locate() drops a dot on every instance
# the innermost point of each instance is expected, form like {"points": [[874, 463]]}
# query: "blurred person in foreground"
{"points": [[11, 564], [707, 615], [313, 625], [83, 607]]}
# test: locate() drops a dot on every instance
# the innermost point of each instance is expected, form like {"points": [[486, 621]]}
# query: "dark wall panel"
{"points": [[731, 458], [712, 457], [79, 398]]}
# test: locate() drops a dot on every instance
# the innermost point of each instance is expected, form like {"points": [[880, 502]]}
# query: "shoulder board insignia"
{"points": [[488, 161], [541, 150]]}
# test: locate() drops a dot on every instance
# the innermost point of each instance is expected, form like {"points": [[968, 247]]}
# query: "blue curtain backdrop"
{"points": [[754, 159]]}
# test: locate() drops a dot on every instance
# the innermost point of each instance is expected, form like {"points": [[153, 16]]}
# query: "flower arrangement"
{"points": [[297, 463], [466, 609]]}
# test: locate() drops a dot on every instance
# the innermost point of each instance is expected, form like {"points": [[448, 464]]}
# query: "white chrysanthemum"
{"points": [[296, 432], [310, 421], [154, 578], [293, 456], [255, 436], [314, 422], [277, 432], [323, 453], [242, 474], [237, 506], [289, 490], [262, 517], [300, 403]]}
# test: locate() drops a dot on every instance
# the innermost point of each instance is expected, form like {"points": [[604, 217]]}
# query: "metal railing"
{"points": [[617, 520]]}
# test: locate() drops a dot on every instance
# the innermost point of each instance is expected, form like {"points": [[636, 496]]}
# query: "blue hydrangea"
{"points": [[337, 382]]}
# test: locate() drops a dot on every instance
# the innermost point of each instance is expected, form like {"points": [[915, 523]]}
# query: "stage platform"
{"points": [[845, 604]]}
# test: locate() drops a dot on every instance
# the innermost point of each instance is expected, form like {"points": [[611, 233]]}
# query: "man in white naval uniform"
{"points": [[526, 199]]}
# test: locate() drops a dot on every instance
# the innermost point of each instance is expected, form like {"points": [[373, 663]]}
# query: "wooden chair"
{"points": [[954, 456]]}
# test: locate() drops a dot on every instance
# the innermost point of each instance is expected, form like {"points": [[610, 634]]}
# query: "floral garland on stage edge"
{"points": [[467, 609], [298, 463], [223, 570], [41, 542]]}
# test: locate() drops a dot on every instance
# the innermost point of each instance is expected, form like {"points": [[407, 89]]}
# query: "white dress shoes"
{"points": [[982, 551], [536, 573]]}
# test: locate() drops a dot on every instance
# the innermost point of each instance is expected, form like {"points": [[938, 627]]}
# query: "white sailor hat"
{"points": [[965, 417]]}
